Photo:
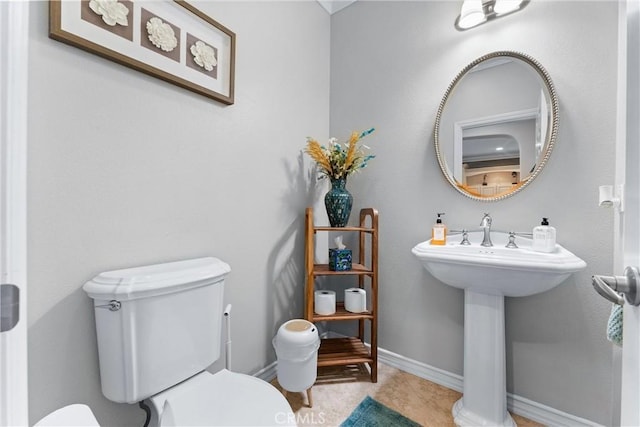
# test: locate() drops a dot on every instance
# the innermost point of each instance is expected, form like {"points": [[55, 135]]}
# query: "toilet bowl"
{"points": [[221, 399], [72, 415], [159, 328]]}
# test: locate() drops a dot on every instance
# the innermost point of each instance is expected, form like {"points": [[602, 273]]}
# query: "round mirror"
{"points": [[496, 125]]}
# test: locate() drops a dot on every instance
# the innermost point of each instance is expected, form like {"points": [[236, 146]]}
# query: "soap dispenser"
{"points": [[544, 237], [439, 232]]}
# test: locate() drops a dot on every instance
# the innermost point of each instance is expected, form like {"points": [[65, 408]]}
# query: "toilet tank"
{"points": [[157, 325]]}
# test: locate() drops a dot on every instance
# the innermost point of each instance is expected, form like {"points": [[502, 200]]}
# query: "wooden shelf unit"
{"points": [[348, 350]]}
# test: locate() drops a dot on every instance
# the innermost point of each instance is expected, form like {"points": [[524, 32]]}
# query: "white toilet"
{"points": [[159, 327]]}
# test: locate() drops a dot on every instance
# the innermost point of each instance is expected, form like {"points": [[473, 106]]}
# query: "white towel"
{"points": [[614, 325]]}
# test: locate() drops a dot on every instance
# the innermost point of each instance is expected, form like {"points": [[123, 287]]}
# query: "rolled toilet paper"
{"points": [[355, 300], [324, 302]]}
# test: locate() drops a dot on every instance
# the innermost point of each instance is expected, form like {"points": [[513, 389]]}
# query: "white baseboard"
{"points": [[422, 370], [268, 373], [544, 414]]}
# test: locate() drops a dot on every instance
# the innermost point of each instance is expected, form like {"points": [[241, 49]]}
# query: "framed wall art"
{"points": [[170, 40]]}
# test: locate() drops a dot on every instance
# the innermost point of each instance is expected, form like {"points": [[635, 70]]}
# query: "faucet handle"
{"points": [[465, 238], [512, 240]]}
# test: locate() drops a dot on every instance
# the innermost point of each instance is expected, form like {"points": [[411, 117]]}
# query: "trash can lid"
{"points": [[297, 325], [297, 332]]}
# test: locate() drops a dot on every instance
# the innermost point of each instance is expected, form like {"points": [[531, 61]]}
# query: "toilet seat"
{"points": [[222, 399], [72, 415]]}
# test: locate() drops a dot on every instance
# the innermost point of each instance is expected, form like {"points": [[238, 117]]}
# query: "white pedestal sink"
{"points": [[487, 275]]}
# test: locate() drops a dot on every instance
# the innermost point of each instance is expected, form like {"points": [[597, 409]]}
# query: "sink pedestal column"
{"points": [[484, 400]]}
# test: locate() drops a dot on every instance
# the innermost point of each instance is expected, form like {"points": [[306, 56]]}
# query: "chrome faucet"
{"points": [[486, 227]]}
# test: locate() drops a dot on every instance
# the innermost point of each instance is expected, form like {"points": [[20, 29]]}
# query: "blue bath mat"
{"points": [[371, 413]]}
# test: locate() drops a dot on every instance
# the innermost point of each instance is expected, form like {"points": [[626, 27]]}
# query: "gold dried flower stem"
{"points": [[315, 151], [337, 161], [351, 152]]}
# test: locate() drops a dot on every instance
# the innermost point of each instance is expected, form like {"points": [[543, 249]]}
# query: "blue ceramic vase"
{"points": [[338, 202]]}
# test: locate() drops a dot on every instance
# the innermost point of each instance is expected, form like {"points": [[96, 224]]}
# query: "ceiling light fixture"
{"points": [[476, 12], [505, 6], [471, 14]]}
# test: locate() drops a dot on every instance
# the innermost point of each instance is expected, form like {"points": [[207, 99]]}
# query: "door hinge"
{"points": [[9, 306]]}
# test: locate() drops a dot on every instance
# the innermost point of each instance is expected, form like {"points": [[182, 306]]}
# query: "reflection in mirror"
{"points": [[496, 125]]}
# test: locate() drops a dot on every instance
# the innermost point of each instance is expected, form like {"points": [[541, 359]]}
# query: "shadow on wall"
{"points": [[63, 349], [285, 266]]}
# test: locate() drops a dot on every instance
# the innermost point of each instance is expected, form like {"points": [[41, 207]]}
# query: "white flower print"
{"points": [[112, 11], [161, 34], [204, 55]]}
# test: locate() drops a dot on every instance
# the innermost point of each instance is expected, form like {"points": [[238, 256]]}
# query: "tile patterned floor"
{"points": [[339, 390]]}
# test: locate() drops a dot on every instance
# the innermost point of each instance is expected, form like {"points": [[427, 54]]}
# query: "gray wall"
{"points": [[126, 170], [391, 62]]}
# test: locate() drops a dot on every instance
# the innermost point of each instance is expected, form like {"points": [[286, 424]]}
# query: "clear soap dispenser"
{"points": [[544, 237], [439, 232]]}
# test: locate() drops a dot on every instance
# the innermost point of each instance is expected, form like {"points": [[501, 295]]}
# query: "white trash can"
{"points": [[296, 345]]}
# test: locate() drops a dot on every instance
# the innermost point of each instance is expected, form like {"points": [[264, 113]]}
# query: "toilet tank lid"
{"points": [[157, 279]]}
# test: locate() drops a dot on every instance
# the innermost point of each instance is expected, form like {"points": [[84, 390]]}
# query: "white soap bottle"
{"points": [[544, 237]]}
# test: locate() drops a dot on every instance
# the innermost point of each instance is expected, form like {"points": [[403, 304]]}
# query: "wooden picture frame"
{"points": [[170, 40]]}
